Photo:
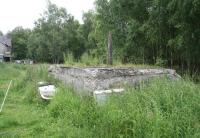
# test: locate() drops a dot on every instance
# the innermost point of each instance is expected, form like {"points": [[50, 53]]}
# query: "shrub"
{"points": [[69, 59], [89, 60]]}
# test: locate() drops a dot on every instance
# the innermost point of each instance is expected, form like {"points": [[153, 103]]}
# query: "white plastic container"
{"points": [[102, 95], [46, 92]]}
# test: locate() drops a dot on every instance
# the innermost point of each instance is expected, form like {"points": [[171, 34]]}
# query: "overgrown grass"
{"points": [[160, 109], [87, 60]]}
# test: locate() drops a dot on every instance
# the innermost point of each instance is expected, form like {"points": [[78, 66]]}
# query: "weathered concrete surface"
{"points": [[91, 79]]}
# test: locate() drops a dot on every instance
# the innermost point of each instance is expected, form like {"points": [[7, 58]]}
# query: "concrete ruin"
{"points": [[92, 79]]}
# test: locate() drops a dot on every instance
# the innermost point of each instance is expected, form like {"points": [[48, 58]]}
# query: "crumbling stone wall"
{"points": [[91, 79]]}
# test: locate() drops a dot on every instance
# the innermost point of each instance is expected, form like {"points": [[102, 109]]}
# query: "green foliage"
{"points": [[69, 59], [161, 62], [145, 31], [20, 38], [85, 60], [55, 33], [88, 60], [8, 122], [161, 108]]}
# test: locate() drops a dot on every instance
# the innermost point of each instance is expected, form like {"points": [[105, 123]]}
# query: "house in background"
{"points": [[5, 48]]}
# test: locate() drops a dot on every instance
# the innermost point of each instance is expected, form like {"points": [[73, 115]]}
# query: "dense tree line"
{"points": [[55, 34], [20, 38], [164, 32], [152, 31]]}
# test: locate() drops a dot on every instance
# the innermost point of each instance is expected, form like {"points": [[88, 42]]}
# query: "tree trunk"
{"points": [[109, 56], [171, 61]]}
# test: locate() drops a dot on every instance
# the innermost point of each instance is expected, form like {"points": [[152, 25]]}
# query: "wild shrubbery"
{"points": [[160, 109]]}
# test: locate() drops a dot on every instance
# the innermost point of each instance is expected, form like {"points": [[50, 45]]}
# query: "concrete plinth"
{"points": [[92, 79]]}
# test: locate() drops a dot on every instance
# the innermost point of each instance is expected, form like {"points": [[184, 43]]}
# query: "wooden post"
{"points": [[109, 56]]}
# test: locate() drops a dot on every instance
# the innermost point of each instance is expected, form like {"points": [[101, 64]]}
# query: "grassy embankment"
{"points": [[161, 109]]}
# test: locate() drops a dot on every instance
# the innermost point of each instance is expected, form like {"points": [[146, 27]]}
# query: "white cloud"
{"points": [[24, 12]]}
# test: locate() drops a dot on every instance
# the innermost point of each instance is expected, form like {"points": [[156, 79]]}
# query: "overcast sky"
{"points": [[23, 13]]}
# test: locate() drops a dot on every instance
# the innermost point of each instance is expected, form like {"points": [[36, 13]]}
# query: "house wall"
{"points": [[3, 49], [1, 58]]}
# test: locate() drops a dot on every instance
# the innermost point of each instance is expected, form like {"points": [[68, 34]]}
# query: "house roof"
{"points": [[6, 40]]}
